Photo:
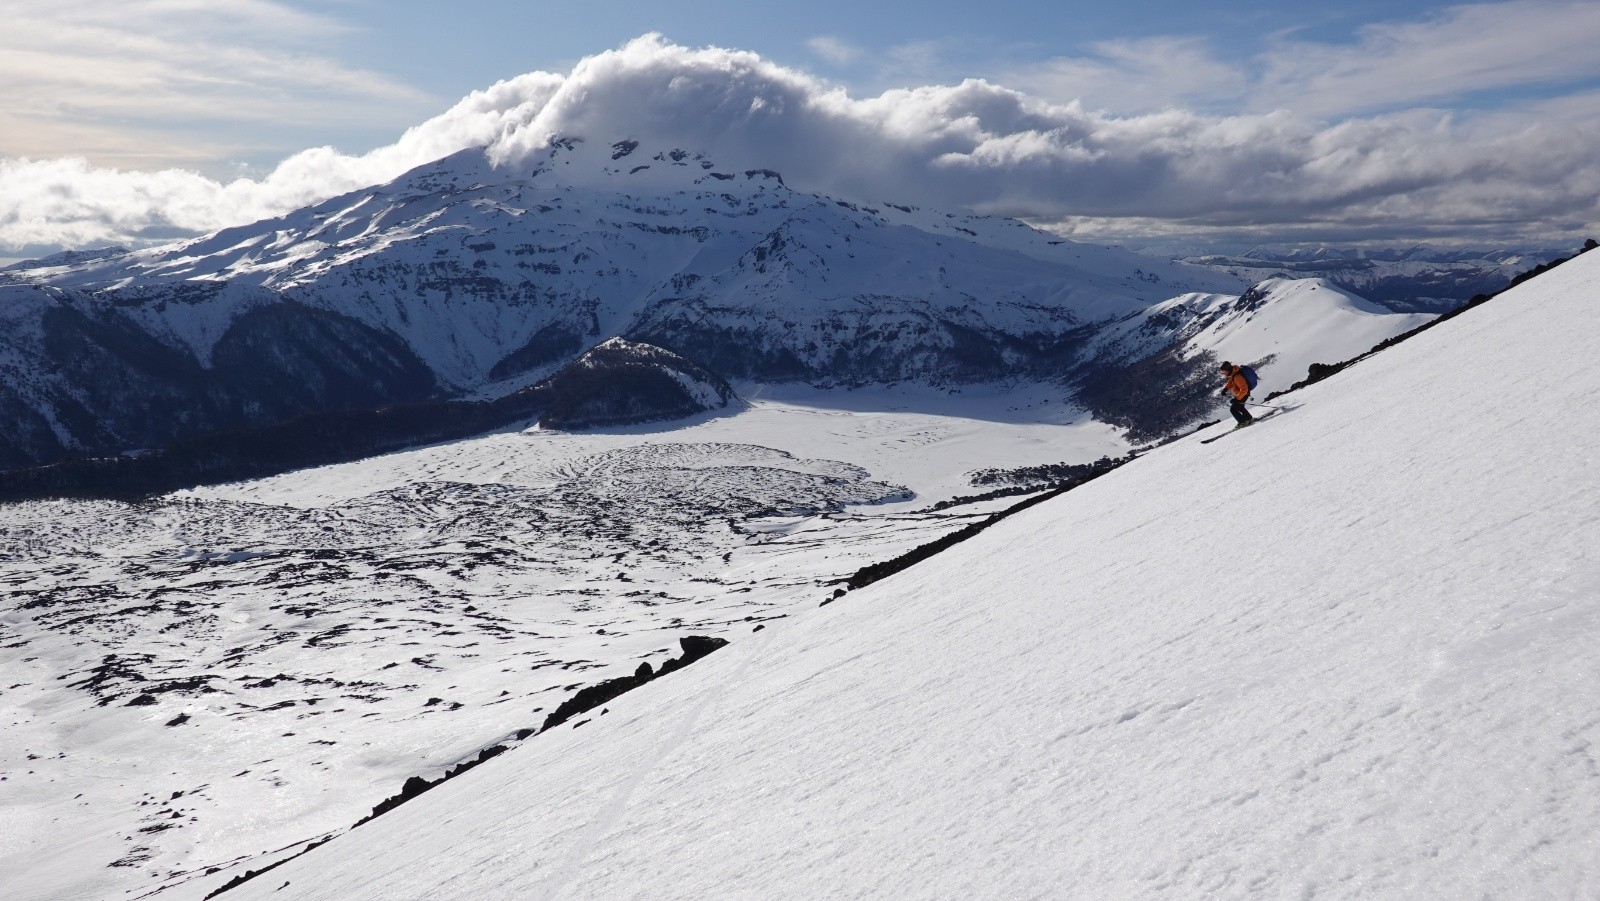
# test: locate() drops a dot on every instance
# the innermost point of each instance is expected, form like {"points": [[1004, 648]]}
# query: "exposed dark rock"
{"points": [[866, 575], [416, 785], [698, 646], [248, 875], [1052, 475], [588, 698], [289, 358], [593, 696], [624, 382]]}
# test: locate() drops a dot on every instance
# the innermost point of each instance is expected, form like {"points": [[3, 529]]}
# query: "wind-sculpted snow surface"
{"points": [[1346, 653]]}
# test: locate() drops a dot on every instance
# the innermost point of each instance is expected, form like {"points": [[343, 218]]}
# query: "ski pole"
{"points": [[1268, 406]]}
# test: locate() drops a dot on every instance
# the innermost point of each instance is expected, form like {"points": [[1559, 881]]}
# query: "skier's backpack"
{"points": [[1250, 377]]}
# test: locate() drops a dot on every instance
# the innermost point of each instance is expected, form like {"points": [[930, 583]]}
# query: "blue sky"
{"points": [[872, 46], [972, 38], [127, 120]]}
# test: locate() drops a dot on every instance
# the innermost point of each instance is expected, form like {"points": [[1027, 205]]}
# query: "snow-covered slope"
{"points": [[1407, 279], [1348, 652], [189, 682], [1281, 326]]}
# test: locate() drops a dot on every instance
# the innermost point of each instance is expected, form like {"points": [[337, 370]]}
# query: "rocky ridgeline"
{"points": [[626, 383]]}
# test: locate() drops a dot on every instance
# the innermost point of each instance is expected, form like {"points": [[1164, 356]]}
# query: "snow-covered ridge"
{"points": [[1343, 653], [1281, 326], [1406, 279]]}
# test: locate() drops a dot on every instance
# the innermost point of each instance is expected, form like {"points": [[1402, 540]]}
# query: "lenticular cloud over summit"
{"points": [[974, 144]]}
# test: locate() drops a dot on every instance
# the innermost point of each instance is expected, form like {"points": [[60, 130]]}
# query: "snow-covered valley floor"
{"points": [[191, 682]]}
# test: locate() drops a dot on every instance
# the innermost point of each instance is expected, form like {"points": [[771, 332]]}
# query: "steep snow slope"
{"points": [[1345, 653], [1281, 325]]}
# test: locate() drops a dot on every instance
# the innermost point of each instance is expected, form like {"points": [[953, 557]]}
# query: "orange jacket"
{"points": [[1237, 384]]}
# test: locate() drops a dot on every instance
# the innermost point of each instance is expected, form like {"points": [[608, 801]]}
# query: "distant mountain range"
{"points": [[1409, 279], [463, 282]]}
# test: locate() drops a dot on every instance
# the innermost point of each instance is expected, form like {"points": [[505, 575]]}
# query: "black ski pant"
{"points": [[1239, 412]]}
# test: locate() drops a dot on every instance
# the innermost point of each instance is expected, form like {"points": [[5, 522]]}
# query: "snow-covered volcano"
{"points": [[1345, 653], [467, 279]]}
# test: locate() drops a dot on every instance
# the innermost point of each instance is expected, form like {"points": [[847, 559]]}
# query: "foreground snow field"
{"points": [[1346, 653]]}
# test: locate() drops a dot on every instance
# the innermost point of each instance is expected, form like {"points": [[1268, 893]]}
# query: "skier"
{"points": [[1238, 386]]}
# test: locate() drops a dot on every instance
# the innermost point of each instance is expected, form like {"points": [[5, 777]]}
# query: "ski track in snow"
{"points": [[315, 638], [1346, 655]]}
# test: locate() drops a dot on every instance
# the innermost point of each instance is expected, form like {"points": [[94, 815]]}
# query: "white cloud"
{"points": [[973, 144], [1137, 76], [67, 66], [71, 203], [1455, 53], [1460, 50]]}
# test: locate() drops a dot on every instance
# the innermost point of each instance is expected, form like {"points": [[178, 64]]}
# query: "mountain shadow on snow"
{"points": [[117, 386], [1152, 396], [623, 382]]}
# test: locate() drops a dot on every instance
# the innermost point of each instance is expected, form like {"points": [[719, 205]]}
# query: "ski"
{"points": [[1238, 429]]}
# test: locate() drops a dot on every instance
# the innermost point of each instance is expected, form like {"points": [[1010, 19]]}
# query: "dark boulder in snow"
{"points": [[625, 382], [697, 646], [588, 698]]}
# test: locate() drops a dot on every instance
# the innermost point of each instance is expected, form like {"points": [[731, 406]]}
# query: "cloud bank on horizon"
{"points": [[1511, 174]]}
